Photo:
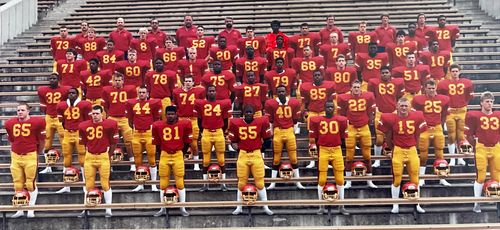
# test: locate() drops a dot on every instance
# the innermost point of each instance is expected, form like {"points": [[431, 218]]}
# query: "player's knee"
{"points": [[379, 141], [179, 182], [105, 186], [259, 183], [350, 143], [242, 181]]}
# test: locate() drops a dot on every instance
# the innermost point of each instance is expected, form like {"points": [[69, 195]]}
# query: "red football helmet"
{"points": [[71, 175], [142, 173], [410, 191], [464, 147], [286, 171], [313, 150], [441, 167], [359, 168], [386, 150], [189, 154], [330, 192], [94, 197], [117, 154], [214, 173], [21, 198], [491, 188], [170, 195], [52, 156], [249, 194]]}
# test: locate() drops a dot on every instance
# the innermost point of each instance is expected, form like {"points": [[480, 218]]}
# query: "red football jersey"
{"points": [[258, 65], [254, 94], [315, 96], [72, 115], [306, 66], [460, 92], [122, 39], [283, 115], [160, 85], [298, 41], [271, 39], [183, 34], [171, 57], [437, 63], [196, 69], [89, 48], [445, 36], [385, 35], [359, 42], [414, 78], [108, 60], [92, 83], [49, 98], [324, 34], [143, 113], [258, 44], [249, 136], [184, 100], [158, 36], [145, 48], [212, 113], [25, 136], [225, 56], [330, 52], [483, 127], [115, 99], [58, 46], [435, 109], [275, 79], [202, 45], [172, 137], [97, 137], [285, 53], [417, 42], [223, 82], [405, 130], [386, 93], [397, 53], [370, 66], [328, 131], [133, 72], [69, 72], [343, 79], [356, 108], [421, 31], [232, 36]]}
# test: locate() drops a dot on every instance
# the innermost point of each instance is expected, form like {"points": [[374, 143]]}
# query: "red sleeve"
{"points": [[269, 110], [266, 128], [154, 132], [313, 126], [384, 124], [83, 136], [343, 123], [188, 132], [226, 105], [233, 131], [470, 124]]}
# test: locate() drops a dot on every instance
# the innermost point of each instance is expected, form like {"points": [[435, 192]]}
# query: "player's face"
{"points": [[96, 115], [317, 77], [84, 26], [329, 108], [93, 65], [250, 51], [435, 46], [410, 60], [222, 43], [304, 30], [251, 77], [132, 56], [403, 108], [455, 73], [91, 34], [110, 46], [385, 20], [330, 21], [228, 22], [171, 116], [22, 112], [421, 19], [118, 82], [158, 65], [400, 39], [486, 104], [412, 28], [143, 34], [442, 22], [192, 54], [143, 94], [250, 33], [211, 92], [63, 32], [249, 114], [281, 91], [279, 63], [169, 44], [307, 51], [334, 38], [200, 31], [120, 23], [154, 24], [188, 21], [385, 75], [188, 82], [53, 80], [275, 27], [356, 89], [279, 41], [72, 94], [372, 49], [70, 56], [430, 90], [362, 28], [341, 63], [217, 66]]}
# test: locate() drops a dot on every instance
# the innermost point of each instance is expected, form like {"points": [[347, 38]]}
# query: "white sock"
{"points": [[377, 150], [108, 198], [320, 192]]}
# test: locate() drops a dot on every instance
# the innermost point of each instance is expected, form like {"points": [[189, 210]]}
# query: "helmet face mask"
{"points": [[313, 151], [117, 155], [465, 148], [214, 173], [52, 156], [410, 191], [142, 174], [491, 188], [21, 198], [94, 197], [249, 194], [170, 195], [286, 171], [441, 168], [330, 192], [71, 175], [359, 168]]}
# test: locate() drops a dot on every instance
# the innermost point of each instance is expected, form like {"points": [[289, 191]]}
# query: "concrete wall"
{"points": [[16, 16], [491, 7]]}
